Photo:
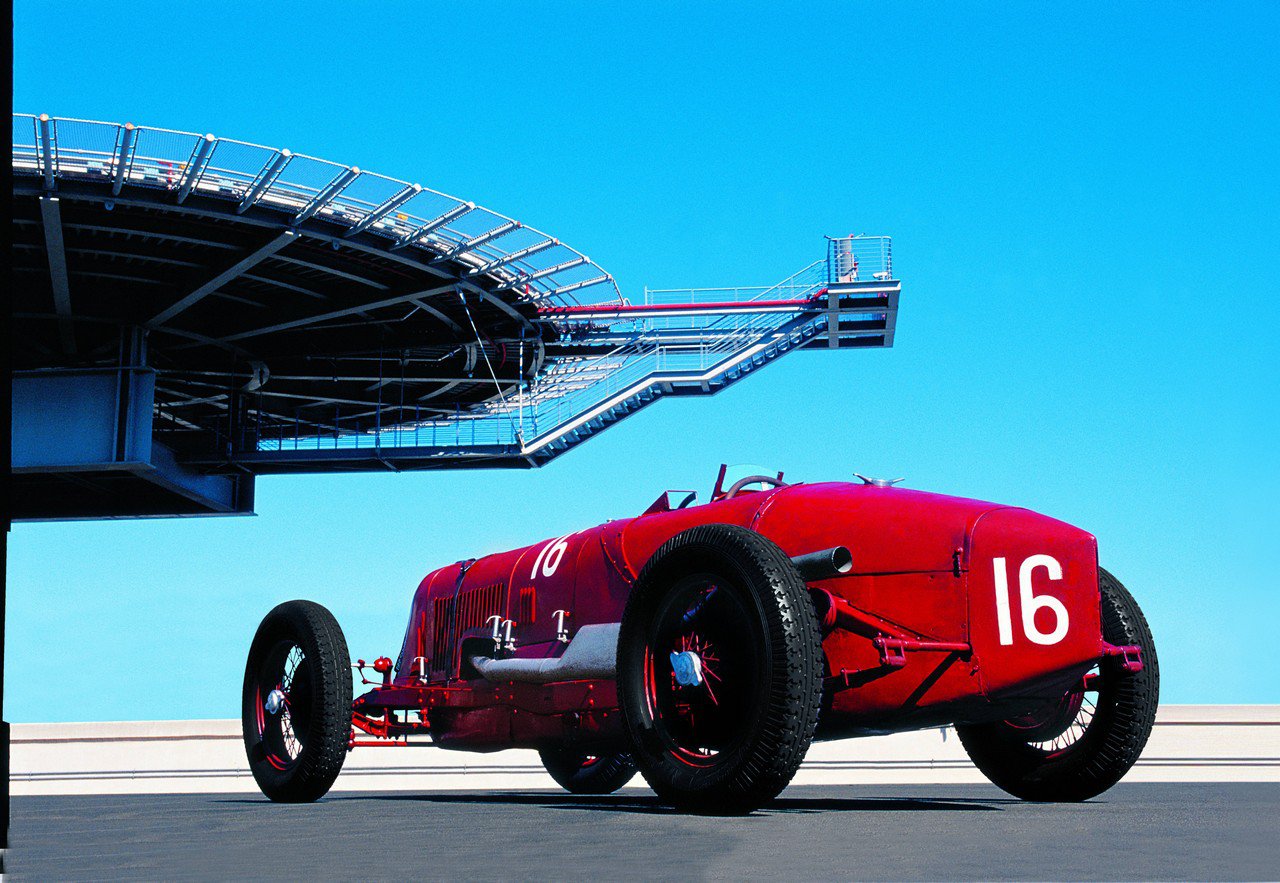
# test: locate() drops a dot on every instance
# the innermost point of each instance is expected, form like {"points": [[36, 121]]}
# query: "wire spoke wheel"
{"points": [[295, 714], [706, 621], [583, 773], [1080, 744], [296, 704], [719, 670], [1062, 724]]}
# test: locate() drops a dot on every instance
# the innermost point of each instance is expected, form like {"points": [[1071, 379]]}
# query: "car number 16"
{"points": [[1030, 601]]}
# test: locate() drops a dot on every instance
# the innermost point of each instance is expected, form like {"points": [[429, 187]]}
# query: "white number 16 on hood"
{"points": [[1031, 602]]}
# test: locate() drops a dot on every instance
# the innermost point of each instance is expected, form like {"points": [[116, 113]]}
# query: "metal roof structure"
{"points": [[250, 310]]}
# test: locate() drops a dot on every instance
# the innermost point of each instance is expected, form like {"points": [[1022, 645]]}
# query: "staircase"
{"points": [[616, 358], [650, 387], [706, 353]]}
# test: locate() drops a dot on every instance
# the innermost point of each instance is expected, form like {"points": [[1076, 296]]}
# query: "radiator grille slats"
{"points": [[469, 609]]}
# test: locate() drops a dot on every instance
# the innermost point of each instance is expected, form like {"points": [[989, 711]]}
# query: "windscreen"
{"points": [[739, 471]]}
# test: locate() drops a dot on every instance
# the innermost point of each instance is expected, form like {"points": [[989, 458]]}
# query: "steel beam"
{"points": [[287, 286], [195, 166], [265, 179], [585, 283], [387, 207], [432, 311], [327, 195], [319, 458], [498, 303], [651, 311], [82, 420], [134, 231], [47, 149], [51, 215], [514, 256], [134, 256], [378, 251], [435, 224], [337, 314], [88, 426], [333, 271], [525, 278], [476, 241], [124, 157], [318, 378], [250, 260]]}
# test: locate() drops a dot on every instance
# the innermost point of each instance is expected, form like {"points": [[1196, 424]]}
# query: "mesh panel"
{"points": [[26, 137], [234, 166], [160, 158], [84, 146], [305, 176]]}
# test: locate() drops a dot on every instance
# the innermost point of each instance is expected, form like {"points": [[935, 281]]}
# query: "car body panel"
{"points": [[926, 566]]}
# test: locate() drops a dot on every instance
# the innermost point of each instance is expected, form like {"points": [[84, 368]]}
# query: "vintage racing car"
{"points": [[708, 645]]}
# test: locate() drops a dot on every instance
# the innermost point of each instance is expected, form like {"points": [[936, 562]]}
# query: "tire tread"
{"points": [[1102, 757], [794, 694], [325, 750]]}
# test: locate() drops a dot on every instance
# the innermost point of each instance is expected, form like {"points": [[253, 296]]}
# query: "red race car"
{"points": [[707, 645]]}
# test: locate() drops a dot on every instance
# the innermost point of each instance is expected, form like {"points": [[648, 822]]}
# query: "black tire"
{"points": [[580, 773], [730, 597], [1107, 744], [296, 753]]}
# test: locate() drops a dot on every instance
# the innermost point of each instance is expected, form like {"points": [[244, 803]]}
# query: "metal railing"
{"points": [[583, 390], [859, 259], [538, 267]]}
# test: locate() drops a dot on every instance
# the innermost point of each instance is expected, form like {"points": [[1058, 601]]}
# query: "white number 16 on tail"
{"points": [[1031, 602]]}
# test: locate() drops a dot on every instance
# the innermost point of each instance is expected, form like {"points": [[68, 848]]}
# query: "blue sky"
{"points": [[1083, 203]]}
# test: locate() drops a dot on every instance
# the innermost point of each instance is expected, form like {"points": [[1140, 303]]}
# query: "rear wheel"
{"points": [[581, 773], [719, 670], [1083, 743], [296, 702]]}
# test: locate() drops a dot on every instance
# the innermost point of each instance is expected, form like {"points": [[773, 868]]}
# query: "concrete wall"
{"points": [[1190, 743]]}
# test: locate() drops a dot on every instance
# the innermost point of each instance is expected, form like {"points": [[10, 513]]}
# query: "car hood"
{"points": [[889, 530]]}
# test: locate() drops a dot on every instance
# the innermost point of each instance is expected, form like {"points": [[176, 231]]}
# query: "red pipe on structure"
{"points": [[609, 310]]}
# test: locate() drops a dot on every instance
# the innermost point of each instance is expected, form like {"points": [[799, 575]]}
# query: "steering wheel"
{"points": [[752, 479]]}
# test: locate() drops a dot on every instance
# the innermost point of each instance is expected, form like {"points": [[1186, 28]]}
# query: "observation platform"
{"points": [[191, 311]]}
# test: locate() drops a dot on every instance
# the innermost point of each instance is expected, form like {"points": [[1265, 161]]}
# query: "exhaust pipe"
{"points": [[591, 655], [826, 564]]}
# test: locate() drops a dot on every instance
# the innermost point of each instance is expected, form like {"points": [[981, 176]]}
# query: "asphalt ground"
{"points": [[1215, 831]]}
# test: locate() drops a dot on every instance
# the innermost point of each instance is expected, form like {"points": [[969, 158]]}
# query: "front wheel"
{"points": [[296, 703], [580, 773], [1082, 744], [719, 670]]}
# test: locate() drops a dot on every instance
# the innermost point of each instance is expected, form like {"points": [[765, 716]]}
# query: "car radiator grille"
{"points": [[451, 617]]}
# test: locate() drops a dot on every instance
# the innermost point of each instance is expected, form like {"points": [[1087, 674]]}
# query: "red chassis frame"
{"points": [[951, 611]]}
